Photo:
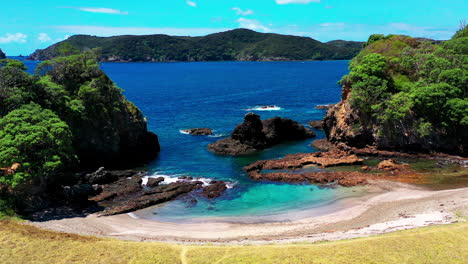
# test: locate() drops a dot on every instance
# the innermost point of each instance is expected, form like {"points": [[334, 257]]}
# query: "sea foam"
{"points": [[265, 108], [168, 179]]}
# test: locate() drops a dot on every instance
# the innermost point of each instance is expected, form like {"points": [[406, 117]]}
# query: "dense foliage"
{"points": [[37, 139], [239, 44], [67, 116], [414, 92]]}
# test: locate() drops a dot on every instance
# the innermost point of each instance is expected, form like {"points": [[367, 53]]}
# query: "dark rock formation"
{"points": [[199, 131], [317, 124], [81, 192], [254, 135], [153, 182], [102, 176], [2, 55], [214, 190], [324, 107], [157, 195]]}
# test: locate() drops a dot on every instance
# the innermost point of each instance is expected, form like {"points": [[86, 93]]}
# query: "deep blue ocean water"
{"points": [[176, 96]]}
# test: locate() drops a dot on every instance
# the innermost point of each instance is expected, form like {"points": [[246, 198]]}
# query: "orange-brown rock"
{"points": [[335, 157], [343, 178], [392, 165], [322, 144]]}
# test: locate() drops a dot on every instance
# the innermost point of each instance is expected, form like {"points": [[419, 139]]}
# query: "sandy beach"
{"points": [[390, 206]]}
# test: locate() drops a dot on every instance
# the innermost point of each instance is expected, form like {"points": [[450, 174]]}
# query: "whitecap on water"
{"points": [[184, 131], [175, 178], [265, 108]]}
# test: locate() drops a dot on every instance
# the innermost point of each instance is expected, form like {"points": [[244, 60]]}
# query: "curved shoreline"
{"points": [[397, 206]]}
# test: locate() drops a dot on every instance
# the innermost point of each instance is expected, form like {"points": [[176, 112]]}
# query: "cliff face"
{"points": [[2, 55], [343, 123], [116, 140]]}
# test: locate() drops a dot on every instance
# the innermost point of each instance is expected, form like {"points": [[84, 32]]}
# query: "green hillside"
{"points": [[238, 44]]}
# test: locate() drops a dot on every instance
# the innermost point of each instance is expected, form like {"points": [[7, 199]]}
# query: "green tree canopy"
{"points": [[37, 139]]}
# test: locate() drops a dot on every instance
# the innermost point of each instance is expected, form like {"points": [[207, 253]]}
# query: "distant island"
{"points": [[2, 55], [233, 45]]}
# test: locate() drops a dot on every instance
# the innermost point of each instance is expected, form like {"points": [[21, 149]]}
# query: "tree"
{"points": [[37, 139]]}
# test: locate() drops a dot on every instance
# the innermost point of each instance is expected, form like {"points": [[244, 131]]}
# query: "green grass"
{"points": [[21, 243]]}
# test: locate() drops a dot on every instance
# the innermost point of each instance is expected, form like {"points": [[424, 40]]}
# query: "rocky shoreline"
{"points": [[340, 155], [116, 192]]}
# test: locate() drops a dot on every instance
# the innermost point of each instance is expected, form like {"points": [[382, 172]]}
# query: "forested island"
{"points": [[233, 45]]}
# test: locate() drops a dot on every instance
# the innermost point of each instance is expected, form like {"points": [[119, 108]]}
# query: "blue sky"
{"points": [[27, 25]]}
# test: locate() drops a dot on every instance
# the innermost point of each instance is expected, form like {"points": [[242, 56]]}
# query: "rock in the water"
{"points": [[199, 131], [254, 135], [143, 199], [391, 165], [325, 107], [214, 190], [2, 55], [317, 124], [153, 182]]}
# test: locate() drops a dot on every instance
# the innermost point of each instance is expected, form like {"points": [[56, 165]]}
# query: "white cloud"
{"points": [[43, 37], [115, 31], [191, 3], [17, 38], [286, 2], [101, 10], [243, 12], [252, 24], [361, 32], [332, 25]]}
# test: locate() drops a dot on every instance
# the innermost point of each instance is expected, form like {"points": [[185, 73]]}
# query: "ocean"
{"points": [[177, 96]]}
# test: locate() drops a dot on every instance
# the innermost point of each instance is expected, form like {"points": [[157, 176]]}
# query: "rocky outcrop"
{"points": [[2, 55], [198, 131], [342, 178], [322, 144], [254, 135], [214, 190], [392, 165], [146, 198], [324, 107], [335, 157], [317, 124], [347, 124], [344, 123], [116, 192]]}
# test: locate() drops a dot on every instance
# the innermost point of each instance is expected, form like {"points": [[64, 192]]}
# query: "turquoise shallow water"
{"points": [[176, 96]]}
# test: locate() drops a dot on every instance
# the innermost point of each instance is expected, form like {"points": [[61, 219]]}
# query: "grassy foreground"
{"points": [[438, 244]]}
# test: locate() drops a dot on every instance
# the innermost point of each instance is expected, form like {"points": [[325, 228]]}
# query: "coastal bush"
{"points": [[38, 140], [69, 116], [413, 87]]}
